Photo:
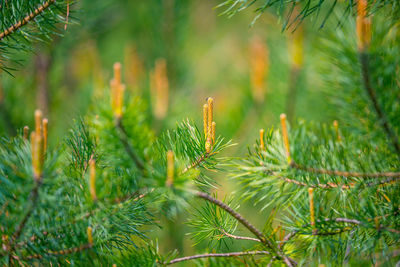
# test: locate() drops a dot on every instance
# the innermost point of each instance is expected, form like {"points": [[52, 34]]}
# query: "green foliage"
{"points": [[211, 223], [331, 197], [24, 22], [311, 8]]}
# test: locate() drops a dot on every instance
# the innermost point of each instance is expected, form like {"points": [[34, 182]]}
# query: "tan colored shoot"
{"points": [[363, 25], [285, 137], [117, 91], [213, 125], [45, 133], [312, 211], [117, 73], [259, 67], [210, 103], [26, 132], [170, 168], [37, 155], [205, 120], [336, 127], [38, 122], [37, 146], [262, 145], [92, 181], [160, 89], [89, 235]]}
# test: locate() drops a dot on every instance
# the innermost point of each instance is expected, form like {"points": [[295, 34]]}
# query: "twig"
{"points": [[343, 220], [196, 163], [25, 20], [248, 225], [210, 255], [333, 185], [124, 140], [61, 252], [378, 109], [395, 175], [33, 201], [239, 237], [125, 198], [323, 186]]}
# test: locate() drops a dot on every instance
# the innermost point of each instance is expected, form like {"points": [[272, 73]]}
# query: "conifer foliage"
{"points": [[331, 192]]}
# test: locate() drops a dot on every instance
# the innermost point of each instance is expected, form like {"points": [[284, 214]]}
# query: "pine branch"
{"points": [[339, 231], [322, 186], [248, 225], [211, 255], [197, 162], [238, 237], [373, 98], [124, 140], [27, 19], [33, 199], [62, 252], [345, 173], [333, 185], [129, 196]]}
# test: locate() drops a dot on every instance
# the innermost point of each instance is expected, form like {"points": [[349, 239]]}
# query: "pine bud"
{"points": [[210, 103], [92, 181], [285, 137], [213, 125], [26, 132], [336, 127], [160, 89], [37, 155], [117, 91], [119, 102], [208, 144], [205, 120], [45, 133], [89, 235], [259, 68], [117, 73], [262, 145], [363, 24], [312, 213], [38, 122], [170, 168]]}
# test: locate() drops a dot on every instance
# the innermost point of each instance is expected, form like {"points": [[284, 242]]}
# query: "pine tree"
{"points": [[330, 191]]}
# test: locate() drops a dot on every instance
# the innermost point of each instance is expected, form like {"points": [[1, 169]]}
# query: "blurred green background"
{"points": [[253, 71]]}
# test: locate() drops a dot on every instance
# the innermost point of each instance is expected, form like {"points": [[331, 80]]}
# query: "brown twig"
{"points": [[339, 231], [323, 186], [127, 197], [214, 255], [62, 252], [25, 20], [196, 163], [248, 225], [363, 55], [33, 199], [395, 175], [238, 237], [333, 185], [124, 140]]}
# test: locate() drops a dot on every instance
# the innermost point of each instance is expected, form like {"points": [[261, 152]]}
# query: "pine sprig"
{"points": [[25, 22]]}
